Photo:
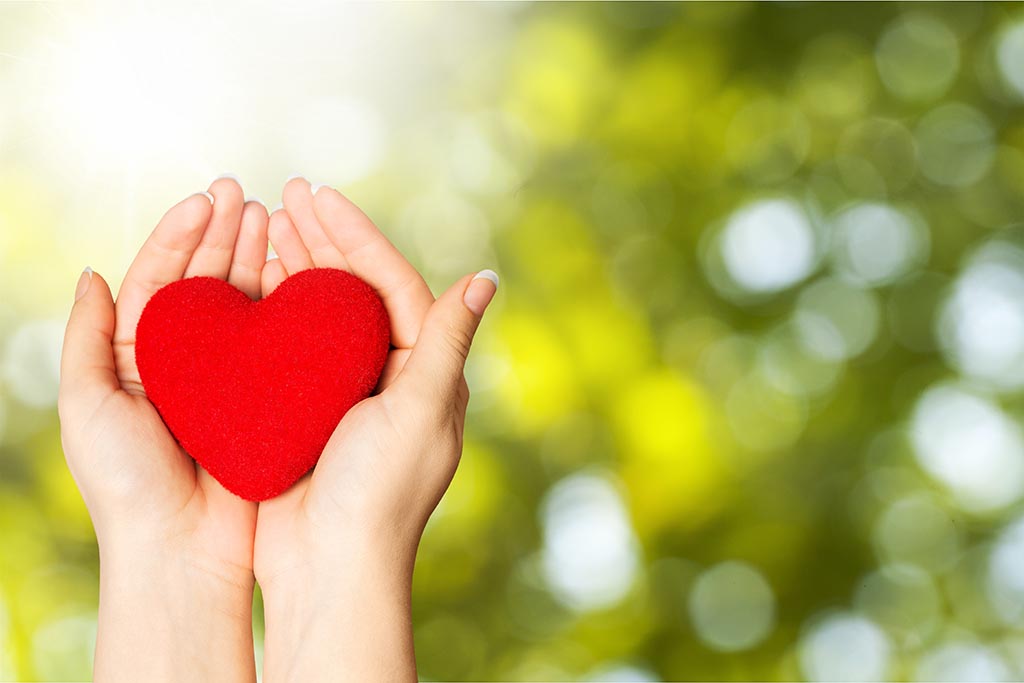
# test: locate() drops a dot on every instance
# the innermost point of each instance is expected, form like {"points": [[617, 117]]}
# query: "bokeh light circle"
{"points": [[970, 445], [590, 556], [64, 646], [732, 607], [1010, 56], [1005, 581], [31, 362], [963, 662], [917, 57], [622, 673], [836, 321], [768, 245], [917, 530], [956, 144], [789, 367], [904, 600], [981, 324], [845, 647], [875, 243]]}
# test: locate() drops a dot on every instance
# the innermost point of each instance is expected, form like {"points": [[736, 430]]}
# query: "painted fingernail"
{"points": [[480, 291], [277, 207], [207, 195], [314, 188], [257, 200], [84, 280], [229, 176], [294, 176]]}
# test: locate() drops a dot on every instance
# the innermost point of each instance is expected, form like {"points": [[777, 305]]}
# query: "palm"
{"points": [[359, 460], [123, 427]]}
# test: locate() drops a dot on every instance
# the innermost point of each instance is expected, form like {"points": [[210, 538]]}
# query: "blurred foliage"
{"points": [[747, 405]]}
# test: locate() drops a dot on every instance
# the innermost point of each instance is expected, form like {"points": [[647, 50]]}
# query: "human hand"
{"points": [[334, 554], [175, 547]]}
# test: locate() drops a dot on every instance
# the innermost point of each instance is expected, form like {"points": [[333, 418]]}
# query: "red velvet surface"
{"points": [[253, 389]]}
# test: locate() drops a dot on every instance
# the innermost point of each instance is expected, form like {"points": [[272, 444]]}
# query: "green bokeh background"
{"points": [[747, 404]]}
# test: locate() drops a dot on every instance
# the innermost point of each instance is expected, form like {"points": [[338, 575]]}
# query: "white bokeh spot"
{"points": [[1010, 57], [31, 362], [1005, 581], [768, 246], [970, 445], [732, 607], [591, 555], [845, 647], [874, 243], [962, 662], [981, 325]]}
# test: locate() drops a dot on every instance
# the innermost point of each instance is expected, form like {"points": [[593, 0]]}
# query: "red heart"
{"points": [[253, 389]]}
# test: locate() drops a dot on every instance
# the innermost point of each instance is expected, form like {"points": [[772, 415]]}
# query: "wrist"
{"points": [[137, 561], [166, 614], [349, 604]]}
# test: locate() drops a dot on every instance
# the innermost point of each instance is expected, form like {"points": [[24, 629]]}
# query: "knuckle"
{"points": [[459, 339]]}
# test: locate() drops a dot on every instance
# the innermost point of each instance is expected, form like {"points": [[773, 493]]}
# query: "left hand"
{"points": [[334, 553]]}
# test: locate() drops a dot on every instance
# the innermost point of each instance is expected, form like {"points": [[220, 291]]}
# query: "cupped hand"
{"points": [[162, 522], [340, 544]]}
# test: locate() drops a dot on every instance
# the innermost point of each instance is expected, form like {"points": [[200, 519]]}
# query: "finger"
{"points": [[274, 274], [161, 260], [287, 243], [374, 259], [87, 373], [250, 249], [298, 201], [212, 258], [435, 365]]}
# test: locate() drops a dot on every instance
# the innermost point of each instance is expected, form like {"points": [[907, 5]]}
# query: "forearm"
{"points": [[163, 617], [343, 618]]}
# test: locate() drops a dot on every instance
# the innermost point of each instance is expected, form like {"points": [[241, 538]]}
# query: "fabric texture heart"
{"points": [[254, 389]]}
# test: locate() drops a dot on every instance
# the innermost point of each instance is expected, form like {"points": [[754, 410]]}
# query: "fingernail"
{"points": [[293, 177], [229, 176], [480, 291], [257, 200], [271, 254], [84, 280], [207, 195], [277, 207], [314, 188]]}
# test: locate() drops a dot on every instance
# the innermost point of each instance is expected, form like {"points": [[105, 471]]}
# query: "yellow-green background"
{"points": [[747, 405]]}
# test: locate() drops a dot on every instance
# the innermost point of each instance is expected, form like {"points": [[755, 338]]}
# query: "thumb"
{"points": [[87, 360], [439, 354]]}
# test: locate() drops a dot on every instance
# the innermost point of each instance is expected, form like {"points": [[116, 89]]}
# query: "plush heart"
{"points": [[253, 389]]}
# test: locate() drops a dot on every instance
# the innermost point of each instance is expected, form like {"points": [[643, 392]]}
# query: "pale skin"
{"points": [[334, 554]]}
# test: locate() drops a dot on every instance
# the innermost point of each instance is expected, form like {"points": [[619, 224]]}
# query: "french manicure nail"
{"points": [[277, 207], [257, 200], [208, 196], [229, 176], [84, 280], [294, 176], [480, 291], [314, 188]]}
